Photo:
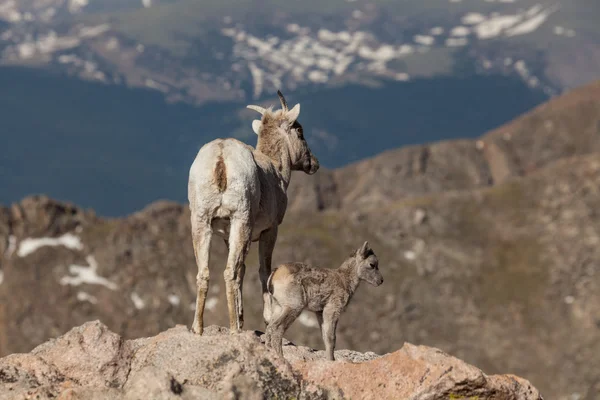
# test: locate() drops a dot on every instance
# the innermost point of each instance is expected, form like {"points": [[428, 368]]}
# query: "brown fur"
{"points": [[326, 292], [280, 149], [270, 143], [221, 172]]}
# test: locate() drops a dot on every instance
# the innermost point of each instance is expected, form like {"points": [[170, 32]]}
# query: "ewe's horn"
{"points": [[283, 102], [257, 108]]}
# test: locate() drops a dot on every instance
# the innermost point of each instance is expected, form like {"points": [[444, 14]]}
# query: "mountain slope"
{"points": [[503, 277], [489, 253], [567, 125]]}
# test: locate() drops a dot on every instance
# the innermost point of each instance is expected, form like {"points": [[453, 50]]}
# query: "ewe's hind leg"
{"points": [[240, 282], [279, 325], [201, 236], [265, 255], [239, 244]]}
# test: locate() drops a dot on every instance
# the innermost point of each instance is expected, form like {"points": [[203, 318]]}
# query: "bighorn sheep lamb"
{"points": [[327, 292], [239, 193]]}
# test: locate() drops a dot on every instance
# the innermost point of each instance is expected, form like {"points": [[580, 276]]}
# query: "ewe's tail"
{"points": [[269, 283]]}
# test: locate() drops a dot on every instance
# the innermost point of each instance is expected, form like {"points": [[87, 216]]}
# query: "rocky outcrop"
{"points": [[91, 362]]}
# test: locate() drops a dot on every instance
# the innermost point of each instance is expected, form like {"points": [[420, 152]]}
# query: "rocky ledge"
{"points": [[91, 362]]}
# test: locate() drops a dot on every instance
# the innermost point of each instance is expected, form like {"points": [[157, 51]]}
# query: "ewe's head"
{"points": [[281, 130], [367, 265]]}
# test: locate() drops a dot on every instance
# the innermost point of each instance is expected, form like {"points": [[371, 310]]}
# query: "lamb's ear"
{"points": [[256, 125], [364, 250], [293, 114]]}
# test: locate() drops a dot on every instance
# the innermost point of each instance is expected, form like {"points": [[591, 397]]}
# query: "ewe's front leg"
{"points": [[239, 244], [331, 315], [265, 254]]}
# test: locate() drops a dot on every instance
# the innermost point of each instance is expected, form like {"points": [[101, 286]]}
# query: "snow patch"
{"points": [[456, 42], [93, 31], [473, 18], [152, 84], [308, 320], [112, 44], [12, 245], [529, 25], [30, 245], [211, 303], [561, 31], [316, 57], [508, 25], [137, 301], [147, 3], [436, 31], [86, 274], [83, 296], [8, 12], [257, 79], [174, 299], [76, 6], [460, 31], [424, 40], [317, 76]]}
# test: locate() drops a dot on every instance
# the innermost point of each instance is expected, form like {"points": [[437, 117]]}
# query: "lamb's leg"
{"points": [[319, 315], [279, 325], [330, 320], [239, 244], [265, 254], [201, 236]]}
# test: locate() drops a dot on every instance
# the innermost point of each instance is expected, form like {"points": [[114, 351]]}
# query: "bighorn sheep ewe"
{"points": [[327, 292], [239, 193]]}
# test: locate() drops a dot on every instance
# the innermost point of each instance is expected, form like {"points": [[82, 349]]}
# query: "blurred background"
{"points": [[460, 137]]}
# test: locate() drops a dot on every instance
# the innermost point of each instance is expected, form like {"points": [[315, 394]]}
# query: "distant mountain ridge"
{"points": [[566, 126], [198, 52]]}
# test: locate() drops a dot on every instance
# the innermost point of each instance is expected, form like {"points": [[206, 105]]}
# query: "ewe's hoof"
{"points": [[197, 331]]}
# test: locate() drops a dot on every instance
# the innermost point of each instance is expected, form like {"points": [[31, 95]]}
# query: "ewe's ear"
{"points": [[293, 114], [256, 125], [364, 250]]}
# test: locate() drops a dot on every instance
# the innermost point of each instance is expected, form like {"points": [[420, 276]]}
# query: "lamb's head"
{"points": [[280, 131], [367, 265]]}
